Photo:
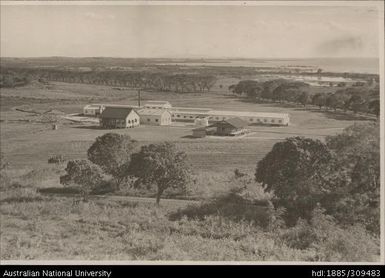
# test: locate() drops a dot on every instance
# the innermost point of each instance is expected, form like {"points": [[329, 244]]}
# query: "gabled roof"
{"points": [[234, 122], [116, 112]]}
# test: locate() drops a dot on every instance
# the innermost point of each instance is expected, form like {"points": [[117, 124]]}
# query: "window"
{"points": [[272, 121], [136, 120], [251, 119], [191, 117], [129, 121], [216, 118], [280, 121], [184, 117], [178, 115], [148, 120], [156, 120], [265, 120]]}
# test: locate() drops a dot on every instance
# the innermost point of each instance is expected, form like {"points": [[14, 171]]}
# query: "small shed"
{"points": [[154, 117], [230, 127], [201, 121], [201, 132], [119, 117], [93, 110]]}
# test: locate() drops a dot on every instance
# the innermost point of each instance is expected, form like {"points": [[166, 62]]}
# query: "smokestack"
{"points": [[139, 98]]}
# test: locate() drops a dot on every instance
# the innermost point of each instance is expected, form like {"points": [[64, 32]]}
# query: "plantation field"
{"points": [[28, 143]]}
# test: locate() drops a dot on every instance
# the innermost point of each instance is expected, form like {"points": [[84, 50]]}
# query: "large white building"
{"points": [[154, 116], [119, 117]]}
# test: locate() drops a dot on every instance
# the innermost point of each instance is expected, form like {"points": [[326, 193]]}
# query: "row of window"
{"points": [[225, 118]]}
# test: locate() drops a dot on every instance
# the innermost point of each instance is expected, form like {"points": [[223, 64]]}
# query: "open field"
{"points": [[28, 143]]}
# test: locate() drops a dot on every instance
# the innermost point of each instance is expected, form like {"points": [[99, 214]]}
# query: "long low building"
{"points": [[251, 117], [188, 114]]}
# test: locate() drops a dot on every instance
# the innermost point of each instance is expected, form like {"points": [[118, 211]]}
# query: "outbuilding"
{"points": [[230, 127], [201, 121], [119, 117], [154, 117], [201, 132], [93, 110]]}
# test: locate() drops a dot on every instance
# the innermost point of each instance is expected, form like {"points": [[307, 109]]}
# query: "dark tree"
{"points": [[82, 173], [287, 169], [112, 152], [160, 165], [352, 176], [319, 100]]}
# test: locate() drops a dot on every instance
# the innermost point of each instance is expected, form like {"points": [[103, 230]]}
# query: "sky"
{"points": [[189, 31]]}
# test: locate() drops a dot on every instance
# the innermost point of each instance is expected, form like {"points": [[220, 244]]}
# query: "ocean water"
{"points": [[352, 65]]}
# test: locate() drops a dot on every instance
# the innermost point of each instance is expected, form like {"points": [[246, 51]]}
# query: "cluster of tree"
{"points": [[357, 99], [11, 79], [149, 80], [113, 158], [364, 100], [342, 175]]}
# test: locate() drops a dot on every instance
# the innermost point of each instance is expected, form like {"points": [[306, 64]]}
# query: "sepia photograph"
{"points": [[192, 132]]}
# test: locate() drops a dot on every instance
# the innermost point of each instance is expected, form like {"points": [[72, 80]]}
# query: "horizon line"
{"points": [[191, 58]]}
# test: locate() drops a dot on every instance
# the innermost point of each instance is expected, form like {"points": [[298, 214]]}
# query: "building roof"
{"points": [[151, 112], [121, 105], [204, 128], [93, 105], [247, 114], [189, 110], [234, 122], [116, 112], [157, 102]]}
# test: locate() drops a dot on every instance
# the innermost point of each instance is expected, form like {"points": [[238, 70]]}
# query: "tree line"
{"points": [[12, 79], [160, 81], [365, 99]]}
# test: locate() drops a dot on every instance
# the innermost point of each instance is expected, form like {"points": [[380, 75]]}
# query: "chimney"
{"points": [[139, 98]]}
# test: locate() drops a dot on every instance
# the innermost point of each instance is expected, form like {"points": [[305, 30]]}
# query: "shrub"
{"points": [[82, 173], [240, 204], [331, 241], [56, 159]]}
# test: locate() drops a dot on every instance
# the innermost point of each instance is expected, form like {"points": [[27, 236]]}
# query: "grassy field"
{"points": [[27, 143], [36, 226], [46, 228]]}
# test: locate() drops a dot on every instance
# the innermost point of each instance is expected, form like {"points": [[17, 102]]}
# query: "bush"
{"points": [[83, 173], [56, 159], [18, 193], [240, 204], [331, 241]]}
